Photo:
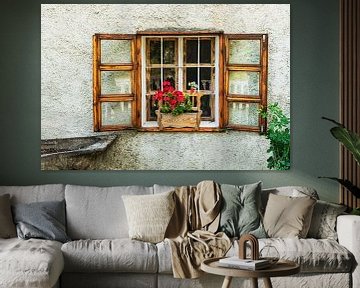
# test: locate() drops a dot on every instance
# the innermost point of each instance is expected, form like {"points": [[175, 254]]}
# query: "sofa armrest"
{"points": [[348, 230]]}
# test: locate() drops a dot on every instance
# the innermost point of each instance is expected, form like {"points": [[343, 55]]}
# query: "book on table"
{"points": [[249, 264]]}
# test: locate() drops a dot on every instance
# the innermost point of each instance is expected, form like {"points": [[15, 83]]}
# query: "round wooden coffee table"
{"points": [[281, 268]]}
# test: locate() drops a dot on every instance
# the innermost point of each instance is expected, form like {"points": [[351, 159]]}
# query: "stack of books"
{"points": [[248, 264]]}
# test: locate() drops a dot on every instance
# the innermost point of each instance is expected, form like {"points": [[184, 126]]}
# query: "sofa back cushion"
{"points": [[98, 212], [35, 193]]}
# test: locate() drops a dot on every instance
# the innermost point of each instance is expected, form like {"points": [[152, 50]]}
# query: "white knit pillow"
{"points": [[149, 215]]}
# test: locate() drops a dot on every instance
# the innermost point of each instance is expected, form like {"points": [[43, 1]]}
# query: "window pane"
{"points": [[244, 83], [169, 75], [207, 106], [155, 79], [155, 51], [206, 78], [115, 82], [169, 52], [115, 51], [205, 52], [191, 51], [116, 113], [191, 76], [243, 114], [244, 52]]}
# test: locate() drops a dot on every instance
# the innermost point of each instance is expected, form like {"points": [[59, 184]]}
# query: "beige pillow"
{"points": [[149, 215], [288, 217], [7, 226]]}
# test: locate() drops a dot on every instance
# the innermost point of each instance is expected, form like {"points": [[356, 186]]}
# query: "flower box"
{"points": [[184, 120]]}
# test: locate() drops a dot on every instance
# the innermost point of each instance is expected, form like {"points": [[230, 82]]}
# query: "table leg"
{"points": [[254, 282], [267, 283], [227, 282]]}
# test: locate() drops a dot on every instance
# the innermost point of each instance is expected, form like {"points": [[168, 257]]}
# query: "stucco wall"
{"points": [[66, 50]]}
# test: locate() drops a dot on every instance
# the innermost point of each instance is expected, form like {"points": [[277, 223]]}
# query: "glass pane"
{"points": [[115, 51], [205, 52], [116, 113], [191, 76], [244, 83], [244, 52], [155, 79], [155, 51], [169, 75], [206, 106], [115, 82], [206, 78], [169, 52], [151, 108], [243, 114], [191, 51]]}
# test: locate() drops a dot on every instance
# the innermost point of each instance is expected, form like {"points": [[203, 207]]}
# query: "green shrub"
{"points": [[278, 132]]}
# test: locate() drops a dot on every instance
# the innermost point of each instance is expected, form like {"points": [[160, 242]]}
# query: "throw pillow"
{"points": [[7, 227], [149, 215], [44, 220], [323, 222], [288, 217], [240, 213]]}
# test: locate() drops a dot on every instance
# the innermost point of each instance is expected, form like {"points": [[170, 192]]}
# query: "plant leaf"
{"points": [[348, 185], [349, 139]]}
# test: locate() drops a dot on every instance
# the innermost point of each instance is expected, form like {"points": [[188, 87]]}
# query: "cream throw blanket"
{"points": [[191, 231]]}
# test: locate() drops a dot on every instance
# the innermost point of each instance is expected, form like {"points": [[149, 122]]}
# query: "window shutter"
{"points": [[114, 89], [246, 57]]}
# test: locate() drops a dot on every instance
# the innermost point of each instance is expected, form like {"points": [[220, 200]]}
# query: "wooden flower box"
{"points": [[185, 120]]}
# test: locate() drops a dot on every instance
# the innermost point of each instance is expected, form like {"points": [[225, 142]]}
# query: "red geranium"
{"points": [[172, 101]]}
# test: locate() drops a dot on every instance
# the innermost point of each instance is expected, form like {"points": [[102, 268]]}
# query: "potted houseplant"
{"points": [[176, 109], [351, 141]]}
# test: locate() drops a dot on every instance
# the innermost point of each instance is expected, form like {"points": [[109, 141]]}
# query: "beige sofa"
{"points": [[101, 254]]}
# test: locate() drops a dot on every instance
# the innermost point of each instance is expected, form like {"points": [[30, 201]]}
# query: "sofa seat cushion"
{"points": [[313, 255], [30, 263], [115, 255]]}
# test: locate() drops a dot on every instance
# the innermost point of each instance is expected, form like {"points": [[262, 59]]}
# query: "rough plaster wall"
{"points": [[66, 50], [185, 151], [66, 57]]}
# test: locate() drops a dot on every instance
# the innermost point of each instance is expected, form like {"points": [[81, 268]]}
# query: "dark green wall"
{"points": [[314, 93]]}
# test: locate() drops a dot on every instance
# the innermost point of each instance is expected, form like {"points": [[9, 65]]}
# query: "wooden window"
{"points": [[245, 81], [180, 60], [230, 70], [113, 82]]}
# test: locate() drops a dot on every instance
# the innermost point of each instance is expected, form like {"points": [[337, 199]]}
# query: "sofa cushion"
{"points": [[98, 213], [313, 255], [117, 255], [240, 212], [323, 222], [30, 263], [148, 215], [44, 220], [287, 216], [291, 191], [7, 226], [35, 193]]}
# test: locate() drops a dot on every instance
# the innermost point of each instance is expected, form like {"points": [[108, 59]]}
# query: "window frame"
{"points": [[136, 69]]}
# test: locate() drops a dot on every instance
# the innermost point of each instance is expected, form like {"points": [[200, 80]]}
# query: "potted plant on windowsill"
{"points": [[176, 109], [351, 141]]}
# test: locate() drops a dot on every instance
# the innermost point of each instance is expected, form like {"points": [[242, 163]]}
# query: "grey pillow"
{"points": [[323, 222], [44, 220], [7, 226], [240, 213]]}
